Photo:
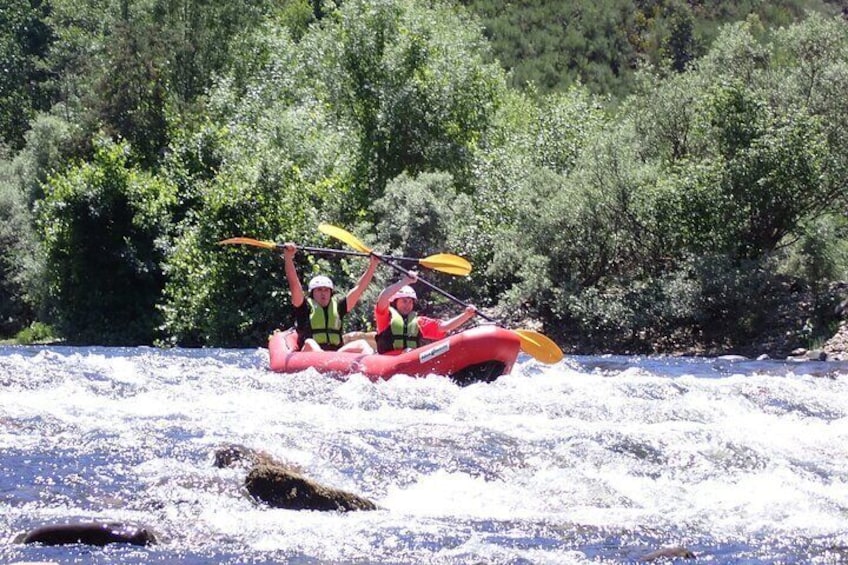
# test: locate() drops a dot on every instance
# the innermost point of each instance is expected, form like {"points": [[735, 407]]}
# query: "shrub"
{"points": [[104, 226]]}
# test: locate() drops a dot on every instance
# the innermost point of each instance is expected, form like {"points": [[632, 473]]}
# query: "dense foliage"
{"points": [[603, 43], [626, 206], [24, 87], [103, 225]]}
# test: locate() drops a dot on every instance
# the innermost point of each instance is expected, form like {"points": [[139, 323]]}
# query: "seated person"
{"points": [[400, 328], [318, 317]]}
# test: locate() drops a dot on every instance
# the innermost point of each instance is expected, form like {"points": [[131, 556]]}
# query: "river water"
{"points": [[593, 460]]}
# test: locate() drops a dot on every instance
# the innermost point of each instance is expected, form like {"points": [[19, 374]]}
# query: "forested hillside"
{"points": [[602, 43], [627, 207]]}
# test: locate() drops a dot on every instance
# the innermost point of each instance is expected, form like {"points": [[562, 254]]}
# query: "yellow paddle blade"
{"points": [[446, 263], [539, 346], [248, 241], [345, 236]]}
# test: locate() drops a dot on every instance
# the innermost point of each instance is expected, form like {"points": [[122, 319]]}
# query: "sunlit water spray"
{"points": [[597, 459]]}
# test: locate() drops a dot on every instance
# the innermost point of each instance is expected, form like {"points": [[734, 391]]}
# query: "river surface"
{"points": [[593, 460]]}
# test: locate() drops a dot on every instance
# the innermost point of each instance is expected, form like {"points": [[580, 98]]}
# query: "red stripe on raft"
{"points": [[484, 345]]}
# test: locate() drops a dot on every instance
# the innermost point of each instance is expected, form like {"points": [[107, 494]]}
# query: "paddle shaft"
{"points": [[428, 284], [327, 251], [532, 342]]}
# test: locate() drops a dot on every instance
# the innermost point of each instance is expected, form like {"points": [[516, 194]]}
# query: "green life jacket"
{"points": [[325, 324], [400, 333]]}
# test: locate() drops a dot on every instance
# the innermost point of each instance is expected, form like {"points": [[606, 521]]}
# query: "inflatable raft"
{"points": [[480, 354]]}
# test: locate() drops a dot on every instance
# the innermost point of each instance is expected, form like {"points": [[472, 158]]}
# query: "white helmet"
{"points": [[320, 282], [405, 292]]}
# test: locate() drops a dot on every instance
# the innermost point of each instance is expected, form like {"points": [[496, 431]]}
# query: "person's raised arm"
{"points": [[387, 293], [448, 326], [356, 292], [289, 249]]}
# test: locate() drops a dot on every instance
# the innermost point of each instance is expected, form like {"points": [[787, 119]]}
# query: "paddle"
{"points": [[444, 262], [533, 343]]}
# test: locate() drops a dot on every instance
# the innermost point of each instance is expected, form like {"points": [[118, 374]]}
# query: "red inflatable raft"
{"points": [[479, 354]]}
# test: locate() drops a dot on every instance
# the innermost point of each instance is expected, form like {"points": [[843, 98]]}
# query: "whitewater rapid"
{"points": [[593, 460]]}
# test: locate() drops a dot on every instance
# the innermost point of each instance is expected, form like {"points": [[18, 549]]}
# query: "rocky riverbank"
{"points": [[836, 348], [797, 324]]}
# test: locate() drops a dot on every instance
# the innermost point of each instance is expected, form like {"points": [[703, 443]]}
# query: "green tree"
{"points": [[680, 44], [230, 296], [15, 234], [24, 41], [104, 225], [131, 94], [536, 144], [138, 70], [204, 38], [22, 269], [278, 168], [416, 213], [671, 215], [413, 82]]}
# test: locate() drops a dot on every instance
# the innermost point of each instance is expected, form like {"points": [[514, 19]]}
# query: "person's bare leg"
{"points": [[357, 346], [310, 345]]}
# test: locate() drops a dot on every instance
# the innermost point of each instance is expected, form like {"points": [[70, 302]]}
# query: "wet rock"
{"points": [[800, 355], [816, 355], [229, 456], [281, 487], [88, 533], [668, 553], [836, 347], [233, 455]]}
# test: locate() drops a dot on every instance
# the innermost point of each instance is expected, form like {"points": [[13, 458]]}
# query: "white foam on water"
{"points": [[625, 448]]}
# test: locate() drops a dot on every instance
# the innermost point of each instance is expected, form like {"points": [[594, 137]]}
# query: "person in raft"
{"points": [[400, 328], [318, 317]]}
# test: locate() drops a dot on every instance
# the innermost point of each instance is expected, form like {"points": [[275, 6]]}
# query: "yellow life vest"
{"points": [[400, 333], [325, 324]]}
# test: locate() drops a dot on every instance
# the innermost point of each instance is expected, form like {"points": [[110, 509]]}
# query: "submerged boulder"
{"points": [[281, 487], [88, 533], [233, 455], [668, 553]]}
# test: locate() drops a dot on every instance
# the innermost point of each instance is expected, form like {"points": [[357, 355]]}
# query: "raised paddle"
{"points": [[444, 262], [533, 343], [353, 241]]}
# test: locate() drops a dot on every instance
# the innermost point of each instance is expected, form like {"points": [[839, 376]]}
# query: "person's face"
{"points": [[404, 305], [322, 296]]}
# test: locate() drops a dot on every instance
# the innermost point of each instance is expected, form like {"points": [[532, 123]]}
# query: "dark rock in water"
{"points": [[668, 553], [89, 533], [800, 355], [281, 487], [229, 455], [732, 358], [234, 454]]}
